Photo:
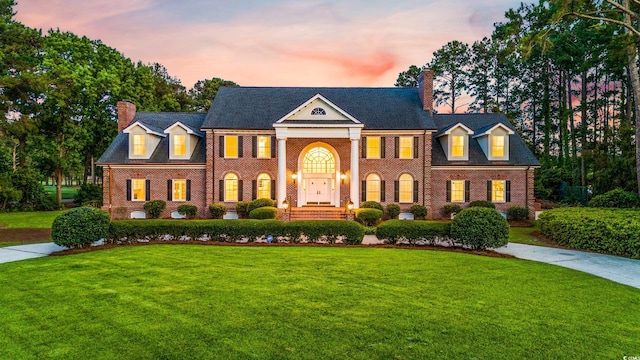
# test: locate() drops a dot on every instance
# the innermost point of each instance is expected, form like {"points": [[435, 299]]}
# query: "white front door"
{"points": [[318, 191]]}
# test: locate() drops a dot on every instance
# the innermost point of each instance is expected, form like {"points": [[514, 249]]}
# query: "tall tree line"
{"points": [[58, 95], [566, 77]]}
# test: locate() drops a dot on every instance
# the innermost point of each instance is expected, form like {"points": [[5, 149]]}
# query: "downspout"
{"points": [[526, 187], [424, 164]]}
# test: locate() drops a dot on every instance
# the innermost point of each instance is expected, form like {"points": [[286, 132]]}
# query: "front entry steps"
{"points": [[317, 213]]}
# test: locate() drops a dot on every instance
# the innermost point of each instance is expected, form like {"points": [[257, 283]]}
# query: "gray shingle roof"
{"points": [[118, 151], [519, 153], [261, 107]]}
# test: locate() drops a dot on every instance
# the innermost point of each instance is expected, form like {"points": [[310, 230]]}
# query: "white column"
{"points": [[282, 171], [354, 182]]}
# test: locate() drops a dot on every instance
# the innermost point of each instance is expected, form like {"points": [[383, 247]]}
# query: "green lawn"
{"points": [[28, 220], [68, 192], [230, 302], [524, 235]]}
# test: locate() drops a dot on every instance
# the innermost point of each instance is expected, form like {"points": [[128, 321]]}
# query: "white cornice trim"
{"points": [[242, 131], [186, 128], [318, 125], [458, 125], [488, 132], [157, 166], [366, 132], [313, 98], [149, 131], [487, 167]]}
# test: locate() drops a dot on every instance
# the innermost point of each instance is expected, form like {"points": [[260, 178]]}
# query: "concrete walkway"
{"points": [[31, 251], [618, 269]]}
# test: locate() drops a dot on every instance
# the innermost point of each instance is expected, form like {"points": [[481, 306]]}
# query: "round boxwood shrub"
{"points": [[480, 228], [393, 210], [258, 203], [372, 205], [617, 198], [368, 217], [517, 213], [80, 226], [418, 211], [452, 209], [482, 203], [154, 208], [217, 211], [188, 210], [242, 209], [264, 212]]}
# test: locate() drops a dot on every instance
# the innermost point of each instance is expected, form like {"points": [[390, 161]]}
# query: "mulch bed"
{"points": [[12, 235]]}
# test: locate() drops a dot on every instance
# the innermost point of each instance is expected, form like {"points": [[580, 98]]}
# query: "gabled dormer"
{"points": [[182, 141], [455, 142], [143, 140], [494, 141]]}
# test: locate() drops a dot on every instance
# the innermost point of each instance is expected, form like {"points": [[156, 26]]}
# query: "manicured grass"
{"points": [[15, 243], [28, 220], [67, 191], [230, 302], [523, 235]]}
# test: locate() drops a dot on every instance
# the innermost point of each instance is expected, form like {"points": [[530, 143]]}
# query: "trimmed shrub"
{"points": [[418, 211], [480, 228], [608, 231], [452, 209], [483, 204], [394, 231], [188, 210], [517, 213], [242, 209], [617, 198], [372, 205], [368, 217], [258, 203], [262, 213], [154, 208], [89, 194], [80, 226], [350, 232], [217, 211], [393, 210]]}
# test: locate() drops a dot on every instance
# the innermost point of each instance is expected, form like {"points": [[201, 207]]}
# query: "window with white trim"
{"points": [[231, 146], [373, 147], [231, 187], [264, 186], [497, 146], [373, 188], [498, 189], [406, 147], [457, 190], [139, 144], [138, 189], [179, 190], [457, 145], [179, 144], [264, 147], [406, 188]]}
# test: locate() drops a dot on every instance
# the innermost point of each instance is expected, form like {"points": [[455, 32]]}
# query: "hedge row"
{"points": [[609, 231], [413, 232], [330, 231]]}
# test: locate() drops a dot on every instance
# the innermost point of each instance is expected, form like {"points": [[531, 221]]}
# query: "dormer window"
{"points": [[494, 141], [139, 144], [455, 142], [318, 111], [179, 145], [497, 145], [143, 140], [457, 145]]}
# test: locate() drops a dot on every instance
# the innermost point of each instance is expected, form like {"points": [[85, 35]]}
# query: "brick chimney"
{"points": [[425, 89], [126, 113]]}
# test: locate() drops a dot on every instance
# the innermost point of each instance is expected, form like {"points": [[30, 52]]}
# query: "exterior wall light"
{"points": [[294, 176]]}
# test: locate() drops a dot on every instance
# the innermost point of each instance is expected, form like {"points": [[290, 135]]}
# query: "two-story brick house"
{"points": [[316, 147]]}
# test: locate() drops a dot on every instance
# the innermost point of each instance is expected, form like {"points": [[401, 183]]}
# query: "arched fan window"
{"points": [[318, 111], [319, 161]]}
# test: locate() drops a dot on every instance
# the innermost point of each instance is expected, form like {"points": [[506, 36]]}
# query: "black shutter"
{"points": [[448, 191], [254, 146], [188, 190], [416, 149], [254, 189], [488, 190], [396, 151], [383, 151], [363, 191], [382, 191], [273, 189], [396, 190], [415, 191], [240, 150], [169, 192], [467, 190], [128, 189], [239, 190], [273, 146], [220, 146], [147, 188], [508, 190], [363, 153], [221, 190]]}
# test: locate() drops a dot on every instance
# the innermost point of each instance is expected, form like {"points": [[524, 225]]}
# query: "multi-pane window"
{"points": [[373, 147], [406, 188], [406, 147], [318, 111], [373, 188], [497, 146], [264, 186], [179, 145], [498, 191], [231, 146], [319, 161], [179, 190], [457, 145], [231, 187], [457, 190], [139, 146], [138, 189], [264, 147]]}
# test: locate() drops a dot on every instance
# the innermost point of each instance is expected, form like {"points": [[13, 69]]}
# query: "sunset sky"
{"points": [[277, 42]]}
